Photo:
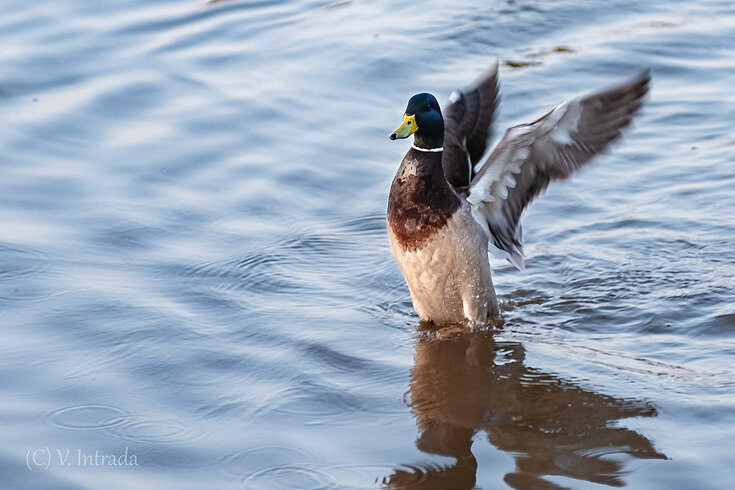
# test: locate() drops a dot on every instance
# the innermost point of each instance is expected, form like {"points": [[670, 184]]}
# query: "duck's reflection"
{"points": [[469, 383]]}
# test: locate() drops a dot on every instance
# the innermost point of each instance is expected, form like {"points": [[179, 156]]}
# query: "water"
{"points": [[195, 271]]}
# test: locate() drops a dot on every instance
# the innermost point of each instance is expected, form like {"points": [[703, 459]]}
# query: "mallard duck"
{"points": [[446, 204]]}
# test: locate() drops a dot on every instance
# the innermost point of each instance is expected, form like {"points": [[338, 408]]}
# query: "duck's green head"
{"points": [[423, 119]]}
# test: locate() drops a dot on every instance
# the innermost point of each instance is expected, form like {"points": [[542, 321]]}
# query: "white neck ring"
{"points": [[441, 148]]}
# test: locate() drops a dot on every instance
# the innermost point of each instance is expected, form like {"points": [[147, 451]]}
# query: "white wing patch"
{"points": [[496, 180]]}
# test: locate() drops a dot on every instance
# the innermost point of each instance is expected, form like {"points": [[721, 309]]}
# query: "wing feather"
{"points": [[467, 121], [531, 155]]}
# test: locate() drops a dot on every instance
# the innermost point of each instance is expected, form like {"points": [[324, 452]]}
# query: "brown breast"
{"points": [[421, 200]]}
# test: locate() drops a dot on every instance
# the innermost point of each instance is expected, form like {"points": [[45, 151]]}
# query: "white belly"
{"points": [[449, 277]]}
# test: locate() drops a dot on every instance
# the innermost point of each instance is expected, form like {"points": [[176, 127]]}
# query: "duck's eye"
{"points": [[408, 123], [428, 108]]}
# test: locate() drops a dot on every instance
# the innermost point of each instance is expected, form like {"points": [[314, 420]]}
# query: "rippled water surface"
{"points": [[194, 268]]}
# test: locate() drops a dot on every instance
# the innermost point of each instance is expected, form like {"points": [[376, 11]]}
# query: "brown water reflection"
{"points": [[552, 426]]}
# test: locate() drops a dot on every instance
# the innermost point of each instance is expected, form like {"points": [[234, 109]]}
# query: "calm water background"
{"points": [[194, 265]]}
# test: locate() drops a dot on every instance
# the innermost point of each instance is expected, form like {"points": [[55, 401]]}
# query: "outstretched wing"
{"points": [[467, 122], [531, 155]]}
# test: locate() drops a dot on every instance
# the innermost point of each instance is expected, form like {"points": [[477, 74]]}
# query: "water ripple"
{"points": [[122, 425], [244, 462], [86, 417], [154, 430], [306, 477], [308, 261], [338, 476], [317, 405]]}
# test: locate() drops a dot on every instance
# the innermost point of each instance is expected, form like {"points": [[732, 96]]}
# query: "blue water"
{"points": [[195, 278]]}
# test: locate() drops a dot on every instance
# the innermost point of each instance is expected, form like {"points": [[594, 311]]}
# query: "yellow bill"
{"points": [[406, 129]]}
